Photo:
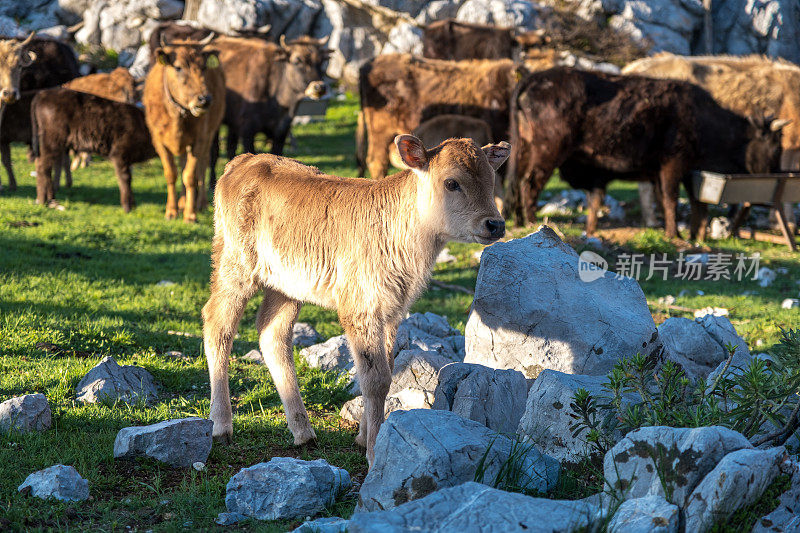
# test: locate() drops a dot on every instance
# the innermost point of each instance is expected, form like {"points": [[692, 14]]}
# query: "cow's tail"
{"points": [[34, 130]]}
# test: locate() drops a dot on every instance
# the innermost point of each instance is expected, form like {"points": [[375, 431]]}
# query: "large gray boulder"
{"points": [[30, 412], [495, 398], [649, 514], [770, 27], [533, 311], [546, 420], [786, 517], [58, 481], [737, 481], [476, 507], [687, 343], [180, 442], [292, 18], [108, 381], [649, 458], [669, 25], [285, 488], [519, 14], [421, 451]]}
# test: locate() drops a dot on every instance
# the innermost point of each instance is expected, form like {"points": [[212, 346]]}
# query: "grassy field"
{"points": [[83, 283]]}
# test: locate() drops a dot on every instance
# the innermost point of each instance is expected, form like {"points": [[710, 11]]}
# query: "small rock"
{"points": [[304, 335], [667, 300], [165, 283], [472, 507], [228, 519], [476, 255], [688, 344], [285, 488], [720, 228], [645, 515], [697, 258], [737, 481], [329, 524], [180, 442], [790, 303], [765, 276], [712, 311], [30, 412], [634, 466], [446, 257], [199, 466], [594, 242], [108, 381], [254, 356], [59, 482], [421, 451], [495, 398], [331, 355]]}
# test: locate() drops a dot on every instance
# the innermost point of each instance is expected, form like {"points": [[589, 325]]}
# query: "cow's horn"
{"points": [[775, 125], [264, 29], [28, 39], [283, 41], [163, 40], [324, 40], [207, 39]]}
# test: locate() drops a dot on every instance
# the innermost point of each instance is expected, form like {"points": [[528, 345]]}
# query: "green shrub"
{"points": [[760, 400]]}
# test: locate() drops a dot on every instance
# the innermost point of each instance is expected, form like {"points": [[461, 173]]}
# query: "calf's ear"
{"points": [[27, 58], [163, 57], [497, 153], [412, 152]]}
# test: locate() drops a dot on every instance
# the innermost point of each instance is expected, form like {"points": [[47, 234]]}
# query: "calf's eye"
{"points": [[451, 185]]}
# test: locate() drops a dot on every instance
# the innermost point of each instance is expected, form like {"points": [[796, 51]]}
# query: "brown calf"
{"points": [[184, 100], [63, 119], [363, 247]]}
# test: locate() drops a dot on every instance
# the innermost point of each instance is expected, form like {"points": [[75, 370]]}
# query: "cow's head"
{"points": [[763, 154], [455, 186], [304, 59], [14, 55], [186, 66]]}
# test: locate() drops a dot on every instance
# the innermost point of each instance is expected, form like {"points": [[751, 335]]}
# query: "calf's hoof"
{"points": [[361, 439], [190, 218], [171, 214], [305, 437], [225, 438]]}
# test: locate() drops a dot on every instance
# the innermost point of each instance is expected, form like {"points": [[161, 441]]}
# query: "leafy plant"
{"points": [[762, 395]]}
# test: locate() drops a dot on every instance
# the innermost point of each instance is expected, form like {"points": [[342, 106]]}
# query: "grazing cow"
{"points": [[450, 39], [63, 119], [369, 256], [597, 127], [117, 85], [49, 64], [265, 83], [399, 92], [184, 100]]}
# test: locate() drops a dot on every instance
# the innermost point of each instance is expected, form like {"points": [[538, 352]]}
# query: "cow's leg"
{"points": [[221, 316], [274, 323], [279, 136], [67, 170], [123, 172], [44, 181], [699, 217], [190, 186], [365, 333], [670, 177], [378, 153], [171, 175], [596, 196], [5, 155], [232, 142], [202, 152], [213, 157]]}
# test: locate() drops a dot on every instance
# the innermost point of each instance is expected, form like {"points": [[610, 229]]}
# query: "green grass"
{"points": [[86, 281]]}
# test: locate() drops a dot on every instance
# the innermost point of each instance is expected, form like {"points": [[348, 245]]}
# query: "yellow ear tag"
{"points": [[212, 61], [162, 58]]}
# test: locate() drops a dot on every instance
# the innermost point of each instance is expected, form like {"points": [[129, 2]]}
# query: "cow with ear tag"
{"points": [[365, 248], [184, 101]]}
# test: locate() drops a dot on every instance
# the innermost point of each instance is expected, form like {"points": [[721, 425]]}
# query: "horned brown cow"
{"points": [[184, 100], [363, 247], [399, 92]]}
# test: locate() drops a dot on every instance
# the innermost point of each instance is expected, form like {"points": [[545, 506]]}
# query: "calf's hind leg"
{"points": [[221, 316], [275, 319]]}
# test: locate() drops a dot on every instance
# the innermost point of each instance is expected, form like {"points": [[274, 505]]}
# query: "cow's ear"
{"points": [[212, 58], [412, 152], [163, 57], [497, 153], [27, 58]]}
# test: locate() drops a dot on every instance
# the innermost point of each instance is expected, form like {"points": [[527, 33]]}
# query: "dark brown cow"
{"points": [[265, 82], [63, 119], [399, 92], [453, 40], [597, 127], [54, 63]]}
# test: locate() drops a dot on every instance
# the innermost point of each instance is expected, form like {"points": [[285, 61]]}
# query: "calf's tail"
{"points": [[34, 130]]}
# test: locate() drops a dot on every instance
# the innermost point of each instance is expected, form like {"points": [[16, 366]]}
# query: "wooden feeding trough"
{"points": [[750, 189]]}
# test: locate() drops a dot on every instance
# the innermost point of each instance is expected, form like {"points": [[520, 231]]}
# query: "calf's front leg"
{"points": [[171, 175], [365, 333]]}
